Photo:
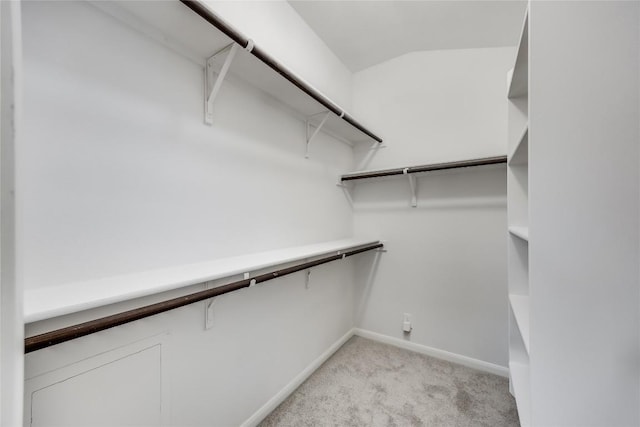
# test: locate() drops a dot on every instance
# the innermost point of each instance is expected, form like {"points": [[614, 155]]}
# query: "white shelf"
{"points": [[520, 232], [182, 30], [520, 308], [48, 302], [520, 153], [519, 374], [519, 85]]}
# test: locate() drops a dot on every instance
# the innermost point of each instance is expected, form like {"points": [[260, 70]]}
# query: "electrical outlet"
{"points": [[406, 323]]}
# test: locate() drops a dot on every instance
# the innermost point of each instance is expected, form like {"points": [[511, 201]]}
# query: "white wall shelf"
{"points": [[409, 172], [520, 307], [520, 154], [52, 301], [519, 374], [485, 161], [193, 34], [520, 232]]}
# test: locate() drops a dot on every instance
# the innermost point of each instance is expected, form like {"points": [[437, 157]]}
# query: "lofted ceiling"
{"points": [[364, 33]]}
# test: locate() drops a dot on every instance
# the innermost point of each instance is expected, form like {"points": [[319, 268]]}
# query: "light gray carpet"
{"points": [[367, 383]]}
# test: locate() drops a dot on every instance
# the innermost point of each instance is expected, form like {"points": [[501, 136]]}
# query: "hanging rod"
{"points": [[425, 168], [247, 44], [58, 336]]}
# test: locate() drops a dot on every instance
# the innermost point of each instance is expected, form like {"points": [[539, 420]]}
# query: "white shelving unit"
{"points": [[572, 174], [518, 229]]}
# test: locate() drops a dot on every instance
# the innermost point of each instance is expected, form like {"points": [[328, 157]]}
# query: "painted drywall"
{"points": [[119, 174], [292, 42], [446, 264]]}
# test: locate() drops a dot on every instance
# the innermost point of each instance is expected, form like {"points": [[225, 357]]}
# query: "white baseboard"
{"points": [[276, 400], [434, 352]]}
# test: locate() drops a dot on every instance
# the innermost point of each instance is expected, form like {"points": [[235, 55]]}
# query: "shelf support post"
{"points": [[212, 83], [315, 132], [413, 187]]}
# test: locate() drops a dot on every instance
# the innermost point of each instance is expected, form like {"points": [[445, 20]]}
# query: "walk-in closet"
{"points": [[326, 213]]}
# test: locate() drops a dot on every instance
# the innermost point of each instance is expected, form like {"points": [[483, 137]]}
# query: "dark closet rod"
{"points": [[48, 339], [425, 168], [259, 53]]}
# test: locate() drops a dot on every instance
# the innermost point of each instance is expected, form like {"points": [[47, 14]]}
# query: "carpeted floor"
{"points": [[367, 383]]}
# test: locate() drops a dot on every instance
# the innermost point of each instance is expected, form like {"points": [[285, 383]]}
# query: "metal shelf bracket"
{"points": [[413, 187], [315, 132], [213, 81]]}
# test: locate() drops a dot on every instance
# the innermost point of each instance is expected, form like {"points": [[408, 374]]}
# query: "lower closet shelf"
{"points": [[48, 302]]}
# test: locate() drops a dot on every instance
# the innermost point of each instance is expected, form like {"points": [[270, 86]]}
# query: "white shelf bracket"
{"points": [[307, 276], [213, 81], [315, 132], [368, 154], [377, 146], [252, 282], [346, 189], [413, 187], [208, 310]]}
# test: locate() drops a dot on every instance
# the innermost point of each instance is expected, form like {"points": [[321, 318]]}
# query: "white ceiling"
{"points": [[364, 33]]}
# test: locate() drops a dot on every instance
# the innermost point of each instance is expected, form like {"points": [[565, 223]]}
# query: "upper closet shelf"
{"points": [[424, 168], [193, 30], [52, 301], [519, 84], [410, 170]]}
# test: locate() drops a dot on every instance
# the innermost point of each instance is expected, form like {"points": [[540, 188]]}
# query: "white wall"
{"points": [[119, 174], [446, 263]]}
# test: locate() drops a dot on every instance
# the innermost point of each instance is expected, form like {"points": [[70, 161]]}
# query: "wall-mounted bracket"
{"points": [[315, 132], [413, 187], [252, 283], [213, 81], [377, 146], [208, 310], [367, 154], [346, 189], [307, 276]]}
